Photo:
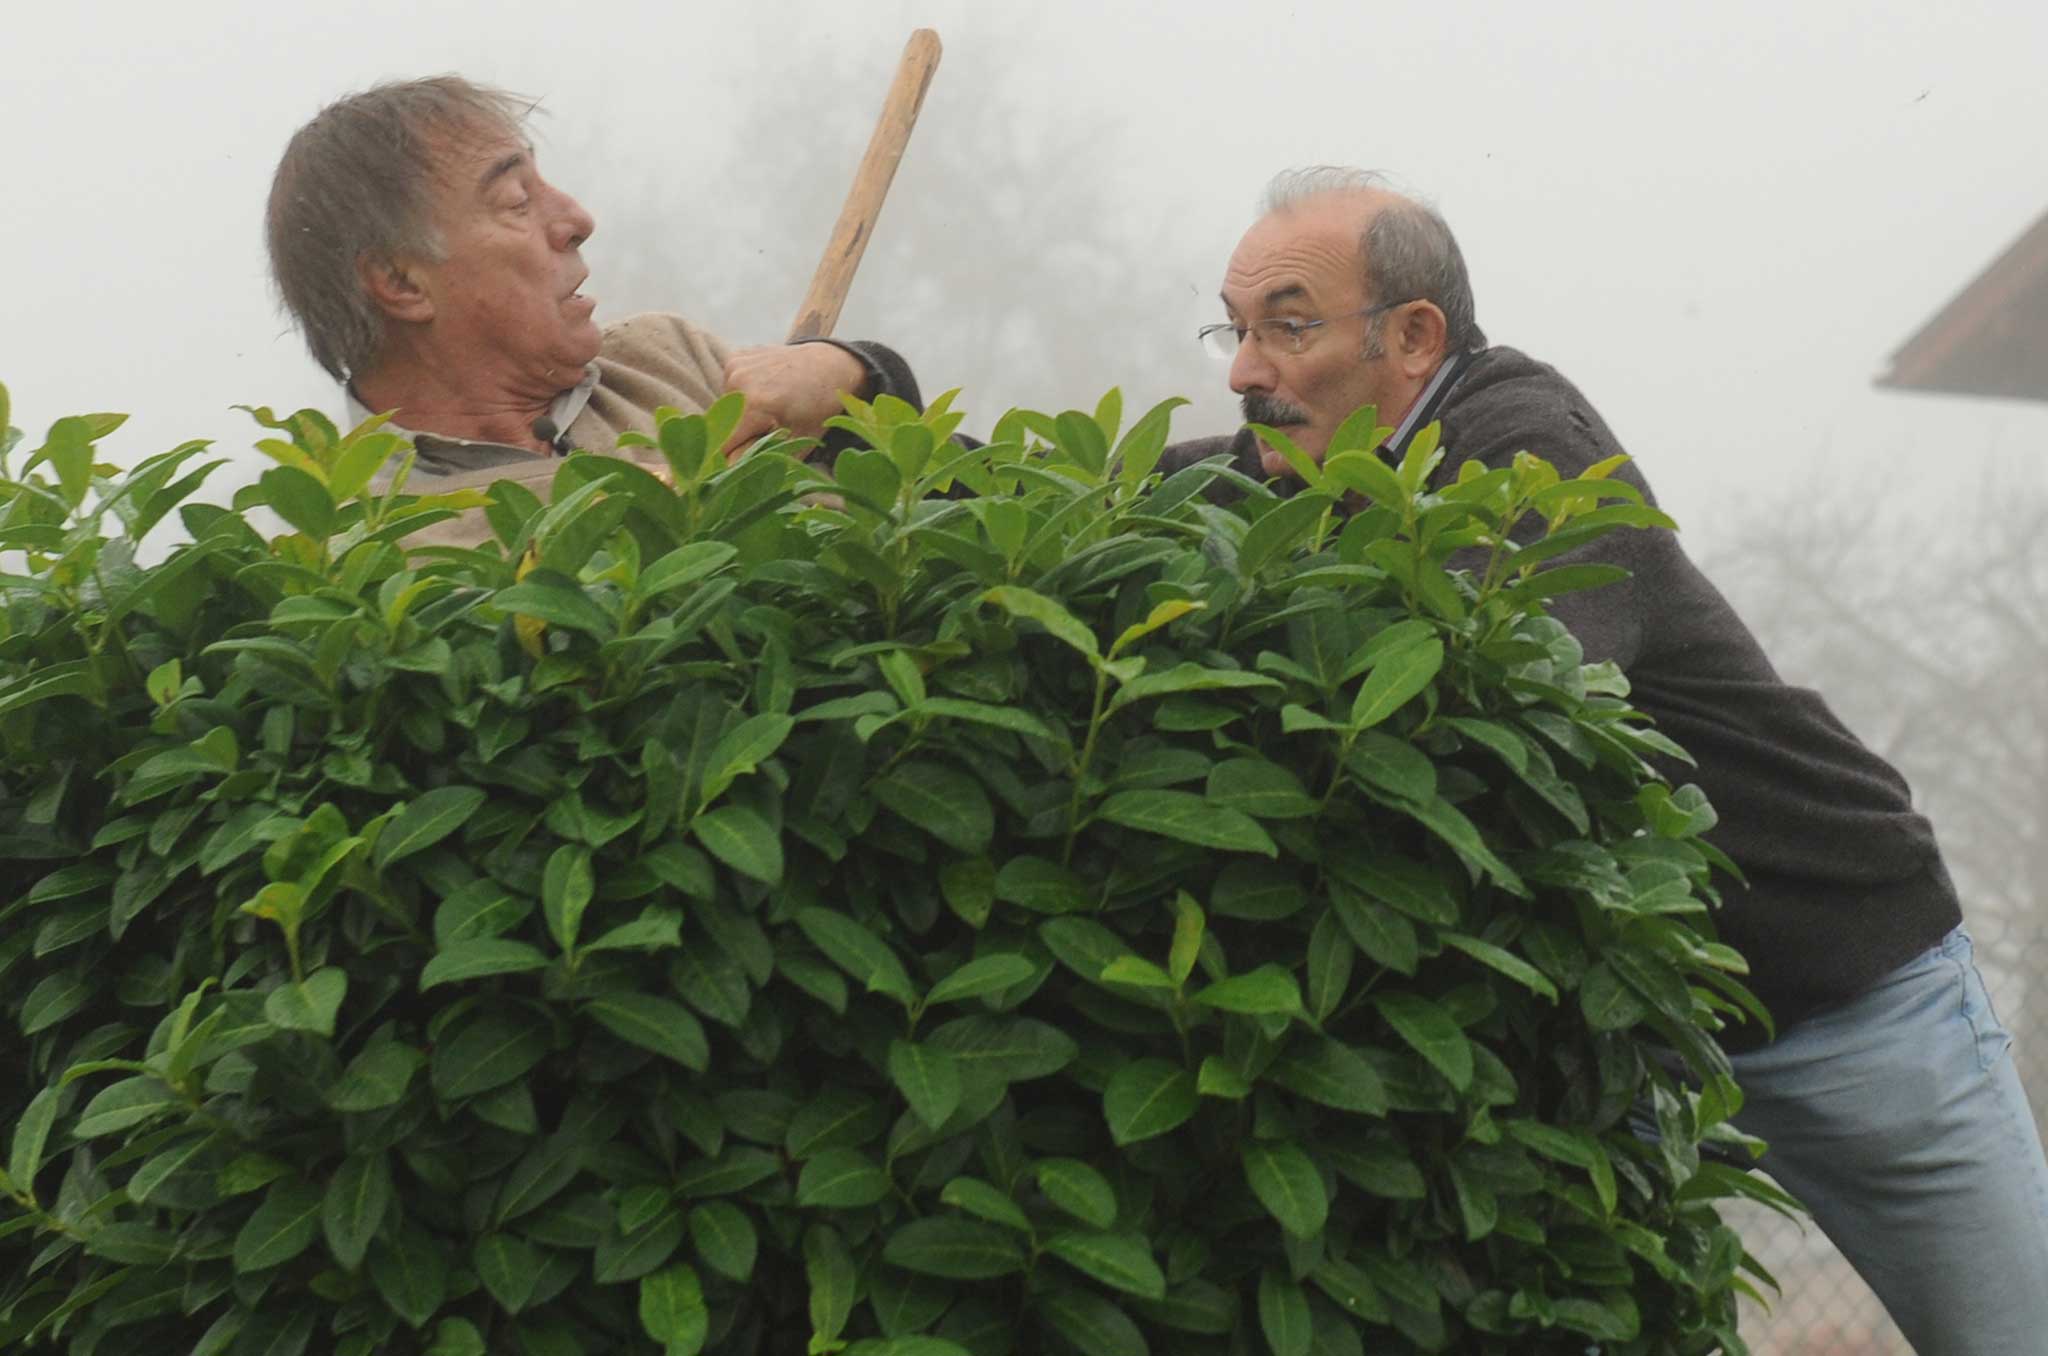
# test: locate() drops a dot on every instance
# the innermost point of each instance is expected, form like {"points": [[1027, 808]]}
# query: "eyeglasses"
{"points": [[1285, 334]]}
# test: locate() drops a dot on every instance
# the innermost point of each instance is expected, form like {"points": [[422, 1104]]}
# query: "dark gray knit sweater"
{"points": [[1845, 880]]}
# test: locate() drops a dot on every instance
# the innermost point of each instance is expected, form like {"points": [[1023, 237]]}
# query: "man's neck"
{"points": [[430, 398]]}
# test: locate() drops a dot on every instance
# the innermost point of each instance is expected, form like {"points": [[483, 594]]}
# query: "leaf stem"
{"points": [[1081, 767]]}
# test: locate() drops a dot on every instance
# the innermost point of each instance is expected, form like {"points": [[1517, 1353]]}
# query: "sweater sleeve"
{"points": [[1549, 419]]}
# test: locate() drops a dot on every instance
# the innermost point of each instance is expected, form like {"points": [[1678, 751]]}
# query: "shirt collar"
{"points": [[567, 407], [1424, 411]]}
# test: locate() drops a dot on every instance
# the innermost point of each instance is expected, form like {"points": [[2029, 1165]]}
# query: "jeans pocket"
{"points": [[1991, 1037]]}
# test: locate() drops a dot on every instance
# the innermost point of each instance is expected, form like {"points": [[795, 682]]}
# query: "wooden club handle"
{"points": [[819, 313]]}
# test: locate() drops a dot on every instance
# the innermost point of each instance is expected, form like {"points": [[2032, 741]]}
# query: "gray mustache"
{"points": [[1265, 409]]}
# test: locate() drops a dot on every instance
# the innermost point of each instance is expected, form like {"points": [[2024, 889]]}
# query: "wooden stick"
{"points": [[819, 313]]}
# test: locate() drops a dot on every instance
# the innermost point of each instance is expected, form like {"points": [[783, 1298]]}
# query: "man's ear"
{"points": [[394, 289], [1419, 338]]}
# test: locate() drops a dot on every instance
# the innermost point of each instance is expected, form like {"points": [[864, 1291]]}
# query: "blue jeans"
{"points": [[1899, 1120]]}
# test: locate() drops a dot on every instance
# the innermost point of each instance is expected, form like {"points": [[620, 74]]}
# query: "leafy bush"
{"points": [[1072, 917]]}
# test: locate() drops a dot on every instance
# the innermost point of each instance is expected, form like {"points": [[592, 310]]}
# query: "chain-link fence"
{"points": [[1933, 655], [1825, 1309]]}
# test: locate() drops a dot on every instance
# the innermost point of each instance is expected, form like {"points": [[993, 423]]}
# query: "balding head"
{"points": [[1405, 249]]}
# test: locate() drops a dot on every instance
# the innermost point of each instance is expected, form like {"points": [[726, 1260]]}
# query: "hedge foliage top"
{"points": [[1070, 916]]}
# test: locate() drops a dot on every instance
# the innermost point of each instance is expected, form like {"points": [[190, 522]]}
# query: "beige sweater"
{"points": [[645, 362]]}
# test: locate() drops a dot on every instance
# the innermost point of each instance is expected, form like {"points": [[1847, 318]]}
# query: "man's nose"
{"points": [[572, 224], [1251, 369]]}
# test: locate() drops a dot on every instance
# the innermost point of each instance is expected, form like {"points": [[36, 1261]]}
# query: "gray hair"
{"points": [[1408, 249], [356, 183]]}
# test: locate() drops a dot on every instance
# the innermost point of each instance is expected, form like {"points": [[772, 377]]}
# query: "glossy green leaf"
{"points": [[1146, 1098], [741, 839], [1136, 971], [1259, 788], [656, 929], [1607, 1003], [1431, 1032], [1270, 989], [495, 1048], [300, 499], [1333, 1074], [281, 1227], [841, 1179], [426, 821], [54, 998], [685, 565], [629, 1255], [353, 1208], [654, 1023], [375, 1078], [980, 976], [32, 1134], [479, 958], [943, 801], [1186, 678], [116, 1107], [928, 1078], [1078, 1189], [508, 1267], [1378, 1164], [1187, 817], [455, 1337], [1091, 1323], [1023, 603], [673, 1311], [168, 1164], [410, 1274], [1330, 958], [1121, 1261], [857, 951], [557, 600], [567, 887], [741, 750], [1284, 1314], [1286, 1182], [1394, 681], [725, 1239], [953, 1248], [829, 1267], [1391, 767], [1506, 962], [1216, 1078], [980, 1199], [358, 463]]}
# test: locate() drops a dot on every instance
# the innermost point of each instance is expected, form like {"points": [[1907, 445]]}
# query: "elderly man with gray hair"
{"points": [[439, 276], [1889, 1096]]}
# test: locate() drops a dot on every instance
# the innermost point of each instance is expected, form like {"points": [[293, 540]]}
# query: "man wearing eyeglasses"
{"points": [[1889, 1097], [1314, 334]]}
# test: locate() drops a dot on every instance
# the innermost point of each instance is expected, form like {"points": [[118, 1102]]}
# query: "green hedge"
{"points": [[1070, 916]]}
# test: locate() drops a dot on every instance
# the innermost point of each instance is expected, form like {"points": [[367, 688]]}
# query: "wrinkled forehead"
{"points": [[467, 156], [1295, 259]]}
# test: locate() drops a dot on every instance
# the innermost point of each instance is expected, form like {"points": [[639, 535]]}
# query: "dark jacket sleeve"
{"points": [[887, 373], [1537, 411]]}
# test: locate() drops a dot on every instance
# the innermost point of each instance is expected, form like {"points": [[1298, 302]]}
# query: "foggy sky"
{"points": [[1719, 226]]}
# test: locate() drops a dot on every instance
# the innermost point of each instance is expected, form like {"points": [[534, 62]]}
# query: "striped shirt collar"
{"points": [[1424, 411]]}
